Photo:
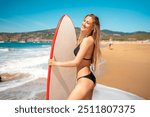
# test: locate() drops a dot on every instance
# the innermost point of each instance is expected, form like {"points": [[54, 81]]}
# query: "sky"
{"points": [[33, 15]]}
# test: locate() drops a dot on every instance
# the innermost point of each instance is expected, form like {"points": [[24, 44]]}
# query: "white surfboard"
{"points": [[102, 92], [61, 80]]}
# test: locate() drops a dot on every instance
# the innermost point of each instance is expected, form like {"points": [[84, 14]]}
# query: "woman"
{"points": [[87, 52]]}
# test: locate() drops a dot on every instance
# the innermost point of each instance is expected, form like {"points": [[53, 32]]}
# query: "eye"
{"points": [[88, 22]]}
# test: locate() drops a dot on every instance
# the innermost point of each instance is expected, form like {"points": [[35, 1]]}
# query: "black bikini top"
{"points": [[76, 50]]}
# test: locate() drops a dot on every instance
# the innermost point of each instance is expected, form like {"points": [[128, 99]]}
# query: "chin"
{"points": [[83, 30]]}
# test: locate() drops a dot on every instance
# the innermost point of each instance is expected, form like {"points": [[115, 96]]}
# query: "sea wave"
{"points": [[4, 49], [19, 80], [2, 42], [31, 62]]}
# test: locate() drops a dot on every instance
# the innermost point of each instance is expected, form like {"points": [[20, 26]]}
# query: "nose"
{"points": [[83, 23]]}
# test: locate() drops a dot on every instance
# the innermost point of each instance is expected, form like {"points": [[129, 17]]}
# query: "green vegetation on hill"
{"points": [[121, 36], [44, 35], [47, 35]]}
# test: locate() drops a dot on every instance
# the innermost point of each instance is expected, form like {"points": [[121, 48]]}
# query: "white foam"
{"points": [[30, 65], [1, 41], [4, 50], [15, 83], [32, 61]]}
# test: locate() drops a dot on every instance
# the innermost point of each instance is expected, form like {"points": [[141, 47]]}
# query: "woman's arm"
{"points": [[84, 47], [62, 64]]}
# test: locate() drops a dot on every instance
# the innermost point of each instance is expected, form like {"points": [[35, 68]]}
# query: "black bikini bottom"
{"points": [[89, 76]]}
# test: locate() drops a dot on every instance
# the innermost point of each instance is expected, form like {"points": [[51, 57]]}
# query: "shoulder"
{"points": [[88, 40]]}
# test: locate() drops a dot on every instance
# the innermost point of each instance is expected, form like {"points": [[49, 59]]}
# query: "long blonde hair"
{"points": [[96, 35]]}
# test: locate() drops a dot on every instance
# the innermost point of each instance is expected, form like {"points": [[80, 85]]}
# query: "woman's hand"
{"points": [[51, 62]]}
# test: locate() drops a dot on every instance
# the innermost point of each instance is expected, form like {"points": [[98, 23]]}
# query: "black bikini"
{"points": [[76, 50], [90, 75]]}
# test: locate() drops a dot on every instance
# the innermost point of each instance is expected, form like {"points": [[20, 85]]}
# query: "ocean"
{"points": [[27, 60]]}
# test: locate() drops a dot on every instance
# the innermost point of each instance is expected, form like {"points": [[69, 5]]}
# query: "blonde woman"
{"points": [[87, 52]]}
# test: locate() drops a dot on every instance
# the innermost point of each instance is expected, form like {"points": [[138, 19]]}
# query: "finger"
{"points": [[54, 58], [50, 61]]}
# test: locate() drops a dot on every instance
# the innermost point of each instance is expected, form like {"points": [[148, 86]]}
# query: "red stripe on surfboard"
{"points": [[51, 56]]}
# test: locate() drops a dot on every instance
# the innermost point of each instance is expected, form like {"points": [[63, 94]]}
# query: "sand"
{"points": [[127, 67], [33, 90]]}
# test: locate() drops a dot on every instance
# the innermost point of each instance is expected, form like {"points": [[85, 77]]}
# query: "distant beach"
{"points": [[127, 67], [24, 75]]}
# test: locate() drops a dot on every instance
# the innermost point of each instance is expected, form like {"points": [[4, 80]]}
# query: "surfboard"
{"points": [[61, 80], [103, 92]]}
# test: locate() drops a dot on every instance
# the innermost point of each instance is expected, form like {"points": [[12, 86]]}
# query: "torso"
{"points": [[84, 67]]}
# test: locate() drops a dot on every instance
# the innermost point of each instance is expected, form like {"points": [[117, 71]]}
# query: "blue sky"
{"points": [[32, 15]]}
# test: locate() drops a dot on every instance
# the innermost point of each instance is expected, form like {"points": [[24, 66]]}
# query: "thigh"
{"points": [[83, 90]]}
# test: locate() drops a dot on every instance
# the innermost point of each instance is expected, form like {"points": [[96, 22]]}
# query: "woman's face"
{"points": [[87, 25]]}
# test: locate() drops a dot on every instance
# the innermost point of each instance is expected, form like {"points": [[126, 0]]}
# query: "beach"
{"points": [[127, 67], [33, 90]]}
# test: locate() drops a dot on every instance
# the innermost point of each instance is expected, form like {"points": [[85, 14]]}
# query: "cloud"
{"points": [[21, 24], [10, 22]]}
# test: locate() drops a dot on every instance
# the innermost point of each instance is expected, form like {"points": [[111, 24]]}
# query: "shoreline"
{"points": [[42, 41]]}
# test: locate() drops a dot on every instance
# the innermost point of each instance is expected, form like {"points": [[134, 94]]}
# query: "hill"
{"points": [[122, 36], [47, 35], [43, 35]]}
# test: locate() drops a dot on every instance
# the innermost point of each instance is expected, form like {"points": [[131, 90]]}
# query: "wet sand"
{"points": [[128, 67], [33, 90]]}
